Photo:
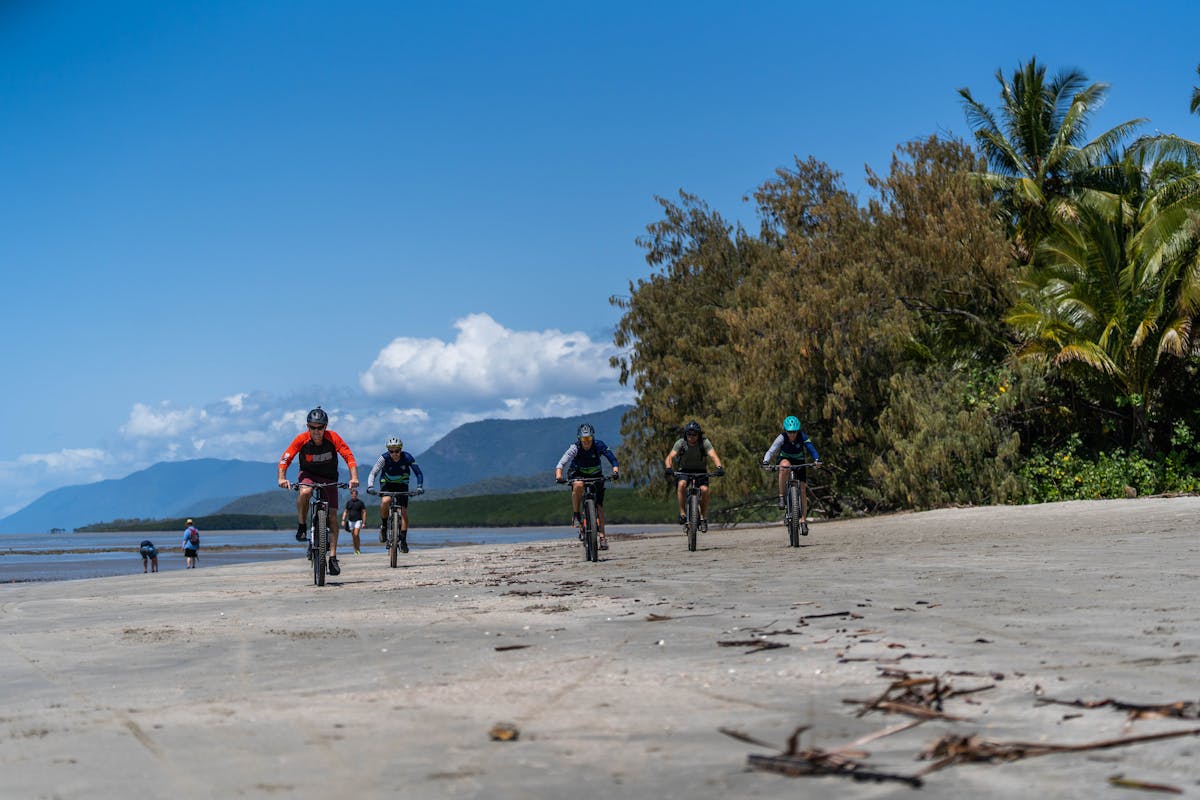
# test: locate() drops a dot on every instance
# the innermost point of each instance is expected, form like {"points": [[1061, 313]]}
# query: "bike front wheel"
{"points": [[693, 519], [793, 514], [320, 545], [393, 536], [590, 544]]}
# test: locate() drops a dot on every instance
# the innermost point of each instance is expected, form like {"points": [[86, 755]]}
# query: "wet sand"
{"points": [[247, 681]]}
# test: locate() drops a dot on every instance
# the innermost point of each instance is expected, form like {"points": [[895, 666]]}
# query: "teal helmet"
{"points": [[791, 424]]}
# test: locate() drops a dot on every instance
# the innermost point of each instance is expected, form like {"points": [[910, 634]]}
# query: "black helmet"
{"points": [[692, 427], [586, 430], [318, 417]]}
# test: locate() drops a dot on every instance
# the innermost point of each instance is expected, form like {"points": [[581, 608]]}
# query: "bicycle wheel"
{"points": [[693, 519], [793, 514], [320, 545], [590, 545], [393, 534]]}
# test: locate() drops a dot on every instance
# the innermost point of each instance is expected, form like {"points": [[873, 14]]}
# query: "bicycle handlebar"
{"points": [[581, 479], [690, 475], [372, 490], [792, 467], [296, 486]]}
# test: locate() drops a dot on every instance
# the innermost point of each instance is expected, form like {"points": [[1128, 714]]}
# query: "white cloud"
{"points": [[166, 422], [491, 365], [64, 459]]}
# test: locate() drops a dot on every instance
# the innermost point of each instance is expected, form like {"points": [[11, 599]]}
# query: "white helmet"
{"points": [[394, 441]]}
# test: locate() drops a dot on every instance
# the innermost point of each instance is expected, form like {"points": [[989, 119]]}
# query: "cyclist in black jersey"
{"points": [[693, 450]]}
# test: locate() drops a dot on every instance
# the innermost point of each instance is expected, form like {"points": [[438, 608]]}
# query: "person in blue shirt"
{"points": [[394, 469], [191, 545], [792, 447], [582, 460]]}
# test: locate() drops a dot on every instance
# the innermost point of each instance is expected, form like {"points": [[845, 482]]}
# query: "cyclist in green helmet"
{"points": [[793, 447]]}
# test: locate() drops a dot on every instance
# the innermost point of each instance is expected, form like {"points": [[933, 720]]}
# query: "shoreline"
{"points": [[619, 676]]}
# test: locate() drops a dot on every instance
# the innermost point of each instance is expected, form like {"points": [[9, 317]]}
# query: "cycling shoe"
{"points": [[334, 567]]}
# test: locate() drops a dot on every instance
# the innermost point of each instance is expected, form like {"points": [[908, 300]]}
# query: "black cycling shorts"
{"points": [[402, 501]]}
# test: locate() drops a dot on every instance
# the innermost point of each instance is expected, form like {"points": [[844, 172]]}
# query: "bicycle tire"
{"points": [[793, 514], [590, 531], [393, 534], [693, 519], [320, 545]]}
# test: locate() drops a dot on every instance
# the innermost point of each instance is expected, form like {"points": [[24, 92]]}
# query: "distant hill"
{"points": [[496, 447], [167, 489], [488, 457]]}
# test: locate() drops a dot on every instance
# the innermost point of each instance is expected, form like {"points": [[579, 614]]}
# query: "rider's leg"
{"points": [[804, 504], [403, 519], [783, 478], [703, 502], [385, 507], [680, 490], [576, 496], [302, 498]]}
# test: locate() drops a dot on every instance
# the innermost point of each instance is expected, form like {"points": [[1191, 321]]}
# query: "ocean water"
{"points": [[67, 556]]}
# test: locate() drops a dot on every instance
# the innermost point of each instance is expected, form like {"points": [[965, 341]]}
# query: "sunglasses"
{"points": [[316, 427], [393, 449]]}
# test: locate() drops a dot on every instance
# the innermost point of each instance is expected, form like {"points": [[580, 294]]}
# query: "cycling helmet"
{"points": [[395, 441], [586, 430], [692, 427], [318, 417], [791, 424]]}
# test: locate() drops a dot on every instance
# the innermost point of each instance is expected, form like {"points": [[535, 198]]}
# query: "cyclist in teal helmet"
{"points": [[792, 446]]}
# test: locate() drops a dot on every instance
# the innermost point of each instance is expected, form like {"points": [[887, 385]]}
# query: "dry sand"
{"points": [[247, 681]]}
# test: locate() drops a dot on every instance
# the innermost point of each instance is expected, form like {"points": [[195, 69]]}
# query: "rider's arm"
{"points": [[375, 470], [671, 458], [417, 471], [773, 449], [285, 460], [812, 450], [343, 449], [566, 459], [712, 453]]}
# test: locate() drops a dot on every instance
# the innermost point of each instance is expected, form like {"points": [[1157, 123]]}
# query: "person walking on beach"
{"points": [[693, 450], [353, 517], [792, 446], [394, 468], [582, 460], [149, 556], [318, 449], [191, 544]]}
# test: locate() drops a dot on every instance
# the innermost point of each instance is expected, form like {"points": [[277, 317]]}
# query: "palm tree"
{"points": [[1036, 146], [1196, 96], [1115, 288]]}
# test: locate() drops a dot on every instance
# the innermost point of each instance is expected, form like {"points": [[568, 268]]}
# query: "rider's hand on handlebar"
{"points": [[614, 474], [720, 471], [420, 490], [560, 479], [284, 483], [670, 473]]}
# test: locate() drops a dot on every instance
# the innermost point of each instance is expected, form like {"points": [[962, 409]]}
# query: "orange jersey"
{"points": [[317, 459]]}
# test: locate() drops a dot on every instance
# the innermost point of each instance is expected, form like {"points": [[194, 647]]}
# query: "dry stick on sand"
{"points": [[955, 749], [917, 697], [1182, 709], [845, 761]]}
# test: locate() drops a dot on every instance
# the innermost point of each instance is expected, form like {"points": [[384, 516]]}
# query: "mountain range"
{"points": [[488, 456]]}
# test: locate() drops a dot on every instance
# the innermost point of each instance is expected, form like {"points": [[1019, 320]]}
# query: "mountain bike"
{"points": [[396, 540], [318, 526], [589, 515], [793, 515], [692, 522]]}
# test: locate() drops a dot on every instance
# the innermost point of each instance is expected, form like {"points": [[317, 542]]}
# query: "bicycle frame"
{"points": [[692, 503], [589, 526], [395, 538], [794, 505], [318, 526]]}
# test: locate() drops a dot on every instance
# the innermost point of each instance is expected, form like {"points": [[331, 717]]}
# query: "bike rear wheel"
{"points": [[693, 519], [793, 514], [393, 535], [590, 544], [320, 545]]}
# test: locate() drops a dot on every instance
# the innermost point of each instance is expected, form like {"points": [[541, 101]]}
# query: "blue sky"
{"points": [[216, 215]]}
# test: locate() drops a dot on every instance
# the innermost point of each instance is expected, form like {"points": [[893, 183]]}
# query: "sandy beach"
{"points": [[618, 677]]}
